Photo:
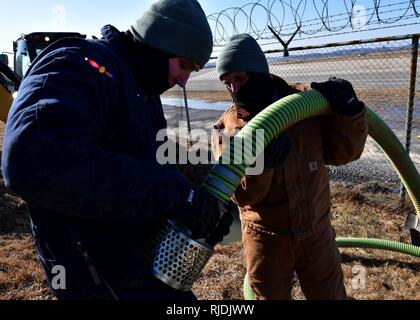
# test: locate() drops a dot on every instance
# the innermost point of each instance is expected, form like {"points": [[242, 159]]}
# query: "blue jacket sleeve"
{"points": [[52, 157]]}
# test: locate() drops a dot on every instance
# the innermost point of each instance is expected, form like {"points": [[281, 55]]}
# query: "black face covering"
{"points": [[256, 94], [150, 66]]}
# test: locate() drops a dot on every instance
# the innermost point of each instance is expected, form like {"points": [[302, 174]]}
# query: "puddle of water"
{"points": [[196, 104], [235, 234]]}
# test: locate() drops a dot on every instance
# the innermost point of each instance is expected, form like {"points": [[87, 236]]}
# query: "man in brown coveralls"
{"points": [[286, 211]]}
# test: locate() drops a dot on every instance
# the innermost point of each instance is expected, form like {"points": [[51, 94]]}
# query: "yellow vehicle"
{"points": [[9, 82], [29, 46], [25, 50]]}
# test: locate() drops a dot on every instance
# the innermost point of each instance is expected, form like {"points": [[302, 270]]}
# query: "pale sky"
{"points": [[87, 17]]}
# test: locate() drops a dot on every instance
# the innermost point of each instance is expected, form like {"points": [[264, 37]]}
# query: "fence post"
{"points": [[285, 44], [188, 116], [410, 105]]}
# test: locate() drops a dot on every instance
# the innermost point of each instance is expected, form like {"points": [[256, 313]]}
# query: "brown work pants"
{"points": [[272, 260]]}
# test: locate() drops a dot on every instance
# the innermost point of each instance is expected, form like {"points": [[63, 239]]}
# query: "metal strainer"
{"points": [[176, 258]]}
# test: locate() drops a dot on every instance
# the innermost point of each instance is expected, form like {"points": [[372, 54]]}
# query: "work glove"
{"points": [[276, 151], [341, 96], [201, 213], [223, 227], [415, 237]]}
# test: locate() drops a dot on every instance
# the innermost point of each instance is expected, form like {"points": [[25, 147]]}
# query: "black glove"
{"points": [[341, 96], [415, 237], [276, 151], [223, 227], [201, 213]]}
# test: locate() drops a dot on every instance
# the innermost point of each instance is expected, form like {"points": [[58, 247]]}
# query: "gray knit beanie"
{"points": [[178, 27], [242, 53]]}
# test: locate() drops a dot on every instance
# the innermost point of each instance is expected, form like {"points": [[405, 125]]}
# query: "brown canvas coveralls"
{"points": [[285, 212]]}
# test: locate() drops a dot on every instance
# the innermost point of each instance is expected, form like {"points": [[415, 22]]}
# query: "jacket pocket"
{"points": [[317, 187], [253, 228]]}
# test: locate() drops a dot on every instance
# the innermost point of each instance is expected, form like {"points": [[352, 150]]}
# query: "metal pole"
{"points": [[410, 106], [285, 44], [188, 116]]}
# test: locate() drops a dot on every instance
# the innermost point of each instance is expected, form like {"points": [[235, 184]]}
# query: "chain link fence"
{"points": [[380, 71]]}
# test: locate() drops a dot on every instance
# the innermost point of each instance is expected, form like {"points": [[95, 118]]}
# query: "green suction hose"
{"points": [[396, 153], [225, 178], [249, 295], [379, 244]]}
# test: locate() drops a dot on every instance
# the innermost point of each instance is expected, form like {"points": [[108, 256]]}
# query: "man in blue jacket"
{"points": [[80, 149]]}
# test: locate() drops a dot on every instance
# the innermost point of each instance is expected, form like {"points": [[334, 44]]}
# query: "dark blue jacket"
{"points": [[80, 149]]}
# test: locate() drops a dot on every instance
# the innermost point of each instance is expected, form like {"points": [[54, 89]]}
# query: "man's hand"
{"points": [[201, 213], [341, 96]]}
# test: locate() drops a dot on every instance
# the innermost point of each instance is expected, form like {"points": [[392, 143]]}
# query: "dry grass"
{"points": [[357, 211], [21, 277], [369, 211]]}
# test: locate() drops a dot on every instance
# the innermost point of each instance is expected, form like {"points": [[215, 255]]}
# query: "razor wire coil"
{"points": [[255, 18]]}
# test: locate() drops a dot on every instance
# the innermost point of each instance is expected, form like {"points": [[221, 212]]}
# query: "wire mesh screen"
{"points": [[379, 71]]}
